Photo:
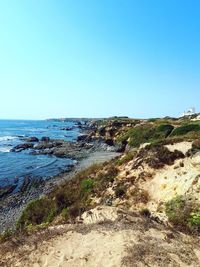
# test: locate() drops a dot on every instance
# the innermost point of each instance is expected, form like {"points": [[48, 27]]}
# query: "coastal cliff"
{"points": [[142, 208]]}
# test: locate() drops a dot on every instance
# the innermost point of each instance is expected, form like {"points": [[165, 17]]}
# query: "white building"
{"points": [[189, 112]]}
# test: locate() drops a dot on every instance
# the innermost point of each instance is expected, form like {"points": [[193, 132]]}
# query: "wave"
{"points": [[46, 165], [7, 138], [4, 149]]}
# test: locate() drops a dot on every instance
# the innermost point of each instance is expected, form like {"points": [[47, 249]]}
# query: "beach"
{"points": [[13, 205]]}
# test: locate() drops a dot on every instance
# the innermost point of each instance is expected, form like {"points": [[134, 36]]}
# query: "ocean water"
{"points": [[15, 166]]}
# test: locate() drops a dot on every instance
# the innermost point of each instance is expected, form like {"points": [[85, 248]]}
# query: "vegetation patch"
{"points": [[184, 212], [71, 198], [185, 129], [157, 156], [140, 195], [37, 212], [126, 158], [145, 134], [87, 185]]}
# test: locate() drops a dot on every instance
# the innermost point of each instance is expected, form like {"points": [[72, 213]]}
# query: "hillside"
{"points": [[139, 209]]}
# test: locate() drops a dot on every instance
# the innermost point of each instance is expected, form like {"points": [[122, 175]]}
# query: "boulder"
{"points": [[45, 145], [82, 137], [22, 147], [32, 139], [67, 129], [45, 139]]}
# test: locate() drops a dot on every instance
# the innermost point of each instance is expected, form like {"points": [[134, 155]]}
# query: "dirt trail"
{"points": [[126, 240]]}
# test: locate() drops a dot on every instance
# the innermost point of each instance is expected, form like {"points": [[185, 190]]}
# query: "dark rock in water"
{"points": [[30, 182], [6, 190], [45, 145], [78, 123], [67, 129], [32, 139], [22, 147], [45, 139]]}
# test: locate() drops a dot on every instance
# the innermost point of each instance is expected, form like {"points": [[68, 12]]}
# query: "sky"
{"points": [[99, 58]]}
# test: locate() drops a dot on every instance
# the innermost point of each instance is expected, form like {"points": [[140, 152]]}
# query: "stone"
{"points": [[45, 139]]}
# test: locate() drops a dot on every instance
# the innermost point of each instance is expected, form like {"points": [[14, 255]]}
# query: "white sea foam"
{"points": [[7, 138], [4, 149]]}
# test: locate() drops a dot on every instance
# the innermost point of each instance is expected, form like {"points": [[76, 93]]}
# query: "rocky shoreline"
{"points": [[85, 151]]}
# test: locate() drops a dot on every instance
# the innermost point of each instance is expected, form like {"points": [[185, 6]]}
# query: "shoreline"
{"points": [[12, 205]]}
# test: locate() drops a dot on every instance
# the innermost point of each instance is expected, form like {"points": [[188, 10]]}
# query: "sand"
{"points": [[126, 241]]}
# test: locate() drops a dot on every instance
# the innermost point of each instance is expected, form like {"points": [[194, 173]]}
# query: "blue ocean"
{"points": [[15, 166]]}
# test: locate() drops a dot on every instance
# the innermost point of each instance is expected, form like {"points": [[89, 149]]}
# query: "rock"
{"points": [[82, 137], [121, 147], [22, 147], [6, 190], [78, 123], [45, 145], [32, 139], [109, 142], [45, 139], [67, 129], [102, 131]]}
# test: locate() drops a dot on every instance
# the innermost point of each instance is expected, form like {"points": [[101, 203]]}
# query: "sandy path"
{"points": [[75, 249], [128, 241]]}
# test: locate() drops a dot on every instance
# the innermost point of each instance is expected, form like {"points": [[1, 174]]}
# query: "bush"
{"points": [[37, 212], [140, 195], [140, 135], [183, 212], [87, 184], [146, 133], [6, 235], [145, 212], [194, 221], [153, 119], [126, 158], [163, 130], [185, 129], [71, 198], [120, 191], [65, 213], [157, 156]]}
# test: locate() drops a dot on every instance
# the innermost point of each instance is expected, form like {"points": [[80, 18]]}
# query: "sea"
{"points": [[15, 166]]}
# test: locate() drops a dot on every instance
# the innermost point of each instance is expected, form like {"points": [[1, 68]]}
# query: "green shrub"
{"points": [[153, 119], [194, 221], [163, 130], [69, 199], [87, 184], [140, 135], [185, 129], [37, 212], [126, 158], [6, 235], [65, 213], [146, 133], [184, 212]]}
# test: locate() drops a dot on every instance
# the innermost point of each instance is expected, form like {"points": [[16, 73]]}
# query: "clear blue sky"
{"points": [[97, 58]]}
